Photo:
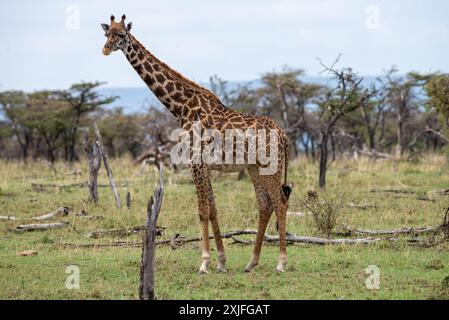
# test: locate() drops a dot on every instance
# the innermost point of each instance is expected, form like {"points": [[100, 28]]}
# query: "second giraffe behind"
{"points": [[190, 103]]}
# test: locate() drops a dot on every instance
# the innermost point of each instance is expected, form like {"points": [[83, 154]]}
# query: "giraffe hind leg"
{"points": [[265, 211], [279, 200]]}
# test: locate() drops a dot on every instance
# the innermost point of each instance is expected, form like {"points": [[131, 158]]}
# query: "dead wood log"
{"points": [[76, 172], [299, 214], [396, 191], [94, 163], [8, 218], [399, 192], [176, 241], [117, 244], [147, 266], [362, 206], [438, 134], [444, 192], [121, 232], [63, 211], [348, 231], [106, 164], [43, 226]]}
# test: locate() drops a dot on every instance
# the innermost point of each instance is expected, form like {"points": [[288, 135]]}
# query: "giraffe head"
{"points": [[117, 34]]}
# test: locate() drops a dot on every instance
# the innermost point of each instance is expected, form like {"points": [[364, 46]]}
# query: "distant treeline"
{"points": [[401, 115]]}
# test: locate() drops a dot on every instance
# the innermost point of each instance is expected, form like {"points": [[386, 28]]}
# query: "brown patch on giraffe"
{"points": [[160, 78], [178, 97], [169, 87], [138, 68], [178, 85], [159, 91], [149, 80], [156, 67], [147, 66]]}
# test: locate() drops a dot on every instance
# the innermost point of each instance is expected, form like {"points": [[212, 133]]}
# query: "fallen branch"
{"points": [[438, 134], [396, 191], [362, 206], [37, 227], [348, 231], [444, 192], [121, 232], [374, 154], [63, 211], [399, 192], [8, 218]]}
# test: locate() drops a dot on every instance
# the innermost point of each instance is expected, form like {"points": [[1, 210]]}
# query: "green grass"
{"points": [[313, 272]]}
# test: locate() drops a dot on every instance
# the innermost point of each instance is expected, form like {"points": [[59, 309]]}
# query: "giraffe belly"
{"points": [[228, 167]]}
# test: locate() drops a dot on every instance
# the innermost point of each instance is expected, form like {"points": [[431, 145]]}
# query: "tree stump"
{"points": [[147, 265]]}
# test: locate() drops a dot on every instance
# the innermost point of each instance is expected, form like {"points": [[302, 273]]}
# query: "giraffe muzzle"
{"points": [[106, 51]]}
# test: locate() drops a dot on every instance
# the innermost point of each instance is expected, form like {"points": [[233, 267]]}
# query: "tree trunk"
{"points": [[323, 159], [94, 161], [372, 139]]}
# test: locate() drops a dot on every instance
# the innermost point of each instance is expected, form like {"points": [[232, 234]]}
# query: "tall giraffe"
{"points": [[190, 103]]}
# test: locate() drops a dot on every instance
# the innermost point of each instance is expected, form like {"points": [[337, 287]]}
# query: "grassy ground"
{"points": [[313, 272]]}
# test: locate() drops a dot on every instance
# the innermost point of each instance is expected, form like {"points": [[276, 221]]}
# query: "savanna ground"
{"points": [[313, 272]]}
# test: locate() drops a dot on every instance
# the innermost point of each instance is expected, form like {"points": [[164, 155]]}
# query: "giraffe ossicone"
{"points": [[191, 103]]}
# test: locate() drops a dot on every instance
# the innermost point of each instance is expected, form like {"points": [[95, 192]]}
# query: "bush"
{"points": [[325, 211]]}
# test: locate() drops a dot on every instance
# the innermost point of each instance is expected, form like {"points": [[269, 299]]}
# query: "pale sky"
{"points": [[51, 44]]}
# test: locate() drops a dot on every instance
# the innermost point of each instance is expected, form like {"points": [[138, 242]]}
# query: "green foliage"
{"points": [[438, 91]]}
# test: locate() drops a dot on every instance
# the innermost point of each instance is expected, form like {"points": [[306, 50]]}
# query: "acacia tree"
{"points": [[437, 90], [82, 99], [14, 106], [284, 96], [403, 103], [47, 117], [346, 97]]}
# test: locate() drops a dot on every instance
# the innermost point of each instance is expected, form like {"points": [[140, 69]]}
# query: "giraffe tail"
{"points": [[287, 188]]}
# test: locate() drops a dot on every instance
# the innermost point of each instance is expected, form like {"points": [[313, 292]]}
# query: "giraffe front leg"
{"points": [[205, 247], [221, 267], [200, 176]]}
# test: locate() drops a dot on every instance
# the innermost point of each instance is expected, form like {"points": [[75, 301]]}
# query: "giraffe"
{"points": [[190, 102]]}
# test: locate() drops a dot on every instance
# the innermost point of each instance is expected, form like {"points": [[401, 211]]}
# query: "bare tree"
{"points": [[348, 96]]}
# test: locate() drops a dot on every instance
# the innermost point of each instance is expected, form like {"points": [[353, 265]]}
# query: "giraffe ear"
{"points": [[129, 26], [105, 27]]}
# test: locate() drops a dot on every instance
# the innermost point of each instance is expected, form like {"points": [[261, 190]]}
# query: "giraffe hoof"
{"points": [[280, 270], [201, 271], [222, 270]]}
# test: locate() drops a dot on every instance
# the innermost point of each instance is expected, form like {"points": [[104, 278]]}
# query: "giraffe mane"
{"points": [[177, 74]]}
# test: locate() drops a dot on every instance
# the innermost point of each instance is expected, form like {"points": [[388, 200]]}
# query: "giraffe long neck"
{"points": [[180, 95]]}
